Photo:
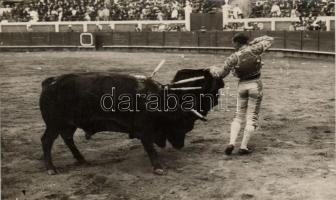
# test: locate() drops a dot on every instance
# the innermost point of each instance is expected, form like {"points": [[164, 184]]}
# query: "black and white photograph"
{"points": [[167, 99]]}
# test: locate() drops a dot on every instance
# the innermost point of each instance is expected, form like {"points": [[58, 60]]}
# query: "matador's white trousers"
{"points": [[248, 105]]}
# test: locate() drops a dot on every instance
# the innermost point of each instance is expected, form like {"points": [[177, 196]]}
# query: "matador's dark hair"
{"points": [[241, 38]]}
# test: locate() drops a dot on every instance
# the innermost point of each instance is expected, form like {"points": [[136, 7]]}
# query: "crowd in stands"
{"points": [[305, 23], [93, 10], [308, 12], [308, 23], [290, 8], [105, 10]]}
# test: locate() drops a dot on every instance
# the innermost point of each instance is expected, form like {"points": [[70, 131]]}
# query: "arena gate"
{"points": [[206, 21]]}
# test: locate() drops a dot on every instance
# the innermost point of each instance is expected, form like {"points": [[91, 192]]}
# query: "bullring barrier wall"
{"points": [[312, 41]]}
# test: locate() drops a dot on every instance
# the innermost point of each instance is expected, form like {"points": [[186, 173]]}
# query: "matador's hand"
{"points": [[214, 71]]}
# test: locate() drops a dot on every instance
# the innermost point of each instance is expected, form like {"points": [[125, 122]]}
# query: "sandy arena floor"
{"points": [[294, 148]]}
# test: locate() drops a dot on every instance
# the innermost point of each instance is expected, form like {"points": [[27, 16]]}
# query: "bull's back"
{"points": [[76, 98]]}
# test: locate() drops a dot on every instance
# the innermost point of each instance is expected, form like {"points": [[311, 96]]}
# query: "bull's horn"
{"points": [[199, 115], [186, 88], [158, 67], [188, 80]]}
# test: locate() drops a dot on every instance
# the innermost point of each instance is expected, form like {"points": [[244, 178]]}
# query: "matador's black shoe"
{"points": [[244, 151], [229, 149]]}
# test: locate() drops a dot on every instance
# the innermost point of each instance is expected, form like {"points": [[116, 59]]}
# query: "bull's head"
{"points": [[201, 85], [204, 90]]}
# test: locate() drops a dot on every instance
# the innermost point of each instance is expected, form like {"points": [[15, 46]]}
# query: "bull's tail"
{"points": [[47, 98]]}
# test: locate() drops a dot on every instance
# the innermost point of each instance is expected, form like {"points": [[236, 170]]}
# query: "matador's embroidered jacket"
{"points": [[246, 62]]}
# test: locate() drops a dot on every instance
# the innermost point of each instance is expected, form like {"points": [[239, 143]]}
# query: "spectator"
{"points": [[74, 14], [100, 13], [226, 9], [33, 15], [6, 13], [60, 14], [275, 10], [70, 28], [301, 8], [292, 27], [159, 15], [53, 15], [315, 25], [329, 9], [174, 14], [137, 29], [293, 13], [260, 26], [7, 9], [144, 13], [257, 10], [237, 12], [106, 14], [249, 27]]}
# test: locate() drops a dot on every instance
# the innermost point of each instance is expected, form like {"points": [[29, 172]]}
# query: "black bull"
{"points": [[139, 106]]}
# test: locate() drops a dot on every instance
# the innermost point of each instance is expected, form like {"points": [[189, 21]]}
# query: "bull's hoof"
{"points": [[160, 171], [52, 172]]}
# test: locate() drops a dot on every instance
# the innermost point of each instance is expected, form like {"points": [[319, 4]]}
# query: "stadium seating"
{"points": [[93, 10], [106, 10], [304, 8]]}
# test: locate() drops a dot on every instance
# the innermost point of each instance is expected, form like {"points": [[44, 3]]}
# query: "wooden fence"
{"points": [[301, 41]]}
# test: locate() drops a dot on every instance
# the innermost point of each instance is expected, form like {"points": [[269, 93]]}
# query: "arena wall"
{"points": [[297, 41]]}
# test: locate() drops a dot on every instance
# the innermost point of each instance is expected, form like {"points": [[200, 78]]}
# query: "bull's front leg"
{"points": [[153, 156]]}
